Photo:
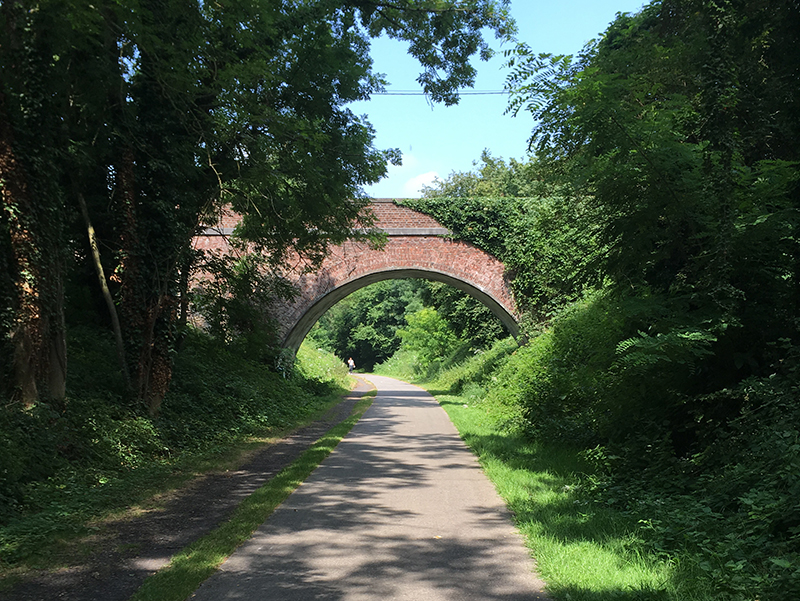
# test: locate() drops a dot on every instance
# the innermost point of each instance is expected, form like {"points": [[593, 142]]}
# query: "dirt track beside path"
{"points": [[129, 551]]}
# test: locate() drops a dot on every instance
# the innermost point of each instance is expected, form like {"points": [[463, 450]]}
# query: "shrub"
{"points": [[61, 465]]}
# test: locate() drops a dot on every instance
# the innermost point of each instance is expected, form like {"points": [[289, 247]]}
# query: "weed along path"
{"points": [[117, 560], [400, 510]]}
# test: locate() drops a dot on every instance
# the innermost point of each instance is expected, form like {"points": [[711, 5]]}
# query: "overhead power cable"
{"points": [[421, 93]]}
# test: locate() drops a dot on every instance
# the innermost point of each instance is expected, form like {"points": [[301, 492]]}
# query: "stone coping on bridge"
{"points": [[389, 231], [390, 216], [416, 231]]}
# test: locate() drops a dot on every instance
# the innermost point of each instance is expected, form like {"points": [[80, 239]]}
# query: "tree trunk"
{"points": [[101, 277], [183, 314], [142, 303], [132, 299], [155, 362], [25, 334], [57, 346]]}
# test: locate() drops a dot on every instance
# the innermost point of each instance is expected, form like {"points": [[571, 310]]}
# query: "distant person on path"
{"points": [[351, 364]]}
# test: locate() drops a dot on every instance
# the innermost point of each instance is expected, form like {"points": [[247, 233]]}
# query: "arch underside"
{"points": [[295, 336]]}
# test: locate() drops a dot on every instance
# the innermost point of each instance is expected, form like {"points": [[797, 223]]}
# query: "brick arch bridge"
{"points": [[417, 246]]}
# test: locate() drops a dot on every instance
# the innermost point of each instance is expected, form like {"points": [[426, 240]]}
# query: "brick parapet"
{"points": [[388, 216], [410, 248]]}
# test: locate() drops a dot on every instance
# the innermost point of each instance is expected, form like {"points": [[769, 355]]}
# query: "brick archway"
{"points": [[417, 247]]}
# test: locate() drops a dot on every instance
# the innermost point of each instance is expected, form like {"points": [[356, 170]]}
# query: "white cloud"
{"points": [[408, 174], [413, 187], [410, 161]]}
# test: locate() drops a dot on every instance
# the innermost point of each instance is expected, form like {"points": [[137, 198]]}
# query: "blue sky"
{"points": [[435, 141]]}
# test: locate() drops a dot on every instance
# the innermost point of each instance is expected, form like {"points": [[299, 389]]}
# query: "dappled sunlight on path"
{"points": [[400, 510]]}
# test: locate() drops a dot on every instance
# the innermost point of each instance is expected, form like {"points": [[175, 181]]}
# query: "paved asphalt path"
{"points": [[400, 510]]}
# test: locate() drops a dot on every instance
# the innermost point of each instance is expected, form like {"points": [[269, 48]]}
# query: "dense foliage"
{"points": [[658, 240], [61, 468], [375, 322], [669, 125], [126, 126], [545, 236], [364, 325]]}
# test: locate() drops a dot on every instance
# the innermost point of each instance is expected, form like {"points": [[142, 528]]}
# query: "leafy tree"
{"points": [[34, 242], [660, 127], [491, 178], [364, 325], [152, 116], [234, 299], [468, 318], [428, 335], [669, 126], [544, 233]]}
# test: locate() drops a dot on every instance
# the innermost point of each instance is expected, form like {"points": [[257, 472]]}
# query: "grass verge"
{"points": [[97, 461], [191, 566], [584, 552]]}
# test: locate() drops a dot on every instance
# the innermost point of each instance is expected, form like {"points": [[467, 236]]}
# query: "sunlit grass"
{"points": [[64, 514], [400, 365], [192, 565], [584, 552], [322, 365]]}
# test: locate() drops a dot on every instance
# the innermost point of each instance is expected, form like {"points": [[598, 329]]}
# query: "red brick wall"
{"points": [[453, 258], [352, 261], [390, 215]]}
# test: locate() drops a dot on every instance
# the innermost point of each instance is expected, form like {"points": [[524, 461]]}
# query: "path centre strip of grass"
{"points": [[584, 552], [193, 564]]}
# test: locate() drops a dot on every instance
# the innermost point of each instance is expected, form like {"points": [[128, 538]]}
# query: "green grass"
{"points": [[191, 566], [400, 365], [584, 552], [322, 365], [114, 463]]}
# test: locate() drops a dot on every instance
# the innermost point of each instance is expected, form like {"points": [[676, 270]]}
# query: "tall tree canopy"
{"points": [[150, 116], [542, 233], [680, 127]]}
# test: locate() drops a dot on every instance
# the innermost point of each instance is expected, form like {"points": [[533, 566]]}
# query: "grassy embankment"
{"points": [[193, 564], [585, 551], [67, 470]]}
